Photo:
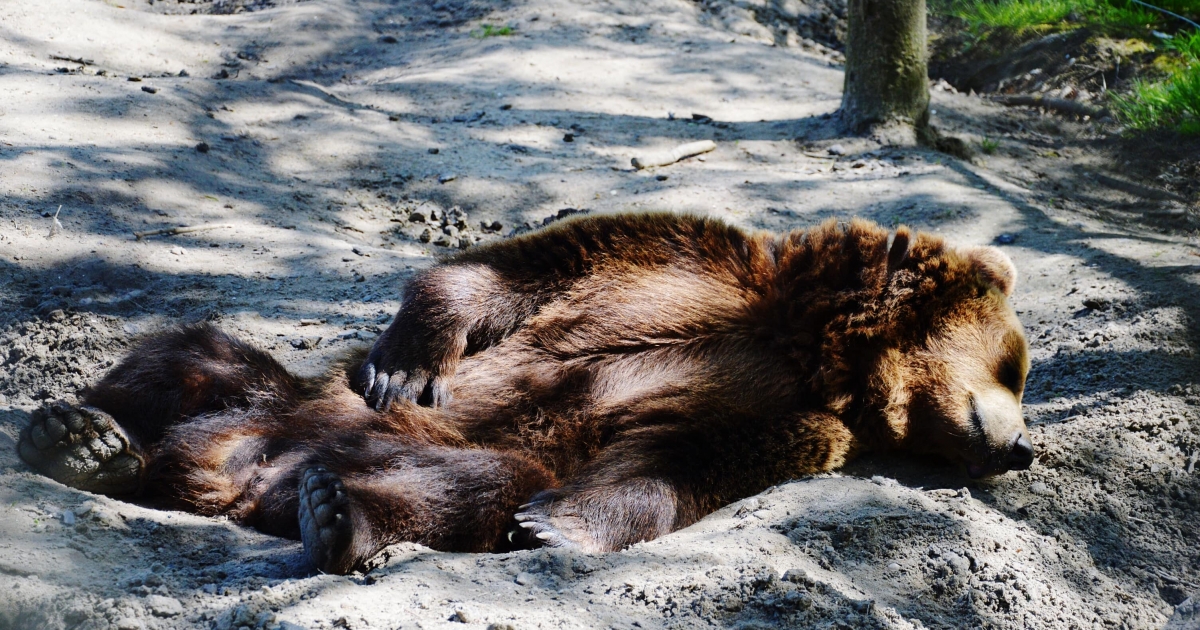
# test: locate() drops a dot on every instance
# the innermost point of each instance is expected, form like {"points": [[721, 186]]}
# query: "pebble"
{"points": [[68, 518], [524, 579], [448, 177], [1041, 489], [129, 623], [761, 515], [149, 89], [836, 149], [178, 251], [462, 616], [163, 606], [895, 566], [202, 147], [1006, 239]]}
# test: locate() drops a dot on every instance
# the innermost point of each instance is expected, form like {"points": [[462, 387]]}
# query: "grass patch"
{"points": [[1173, 103], [1021, 16], [491, 30], [989, 145]]}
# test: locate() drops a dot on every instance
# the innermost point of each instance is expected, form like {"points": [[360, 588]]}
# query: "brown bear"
{"points": [[604, 381]]}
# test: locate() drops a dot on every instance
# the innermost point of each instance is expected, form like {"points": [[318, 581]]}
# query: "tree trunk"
{"points": [[886, 72]]}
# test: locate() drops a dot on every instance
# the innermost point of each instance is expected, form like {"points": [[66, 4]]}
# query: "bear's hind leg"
{"points": [[82, 447], [356, 501]]}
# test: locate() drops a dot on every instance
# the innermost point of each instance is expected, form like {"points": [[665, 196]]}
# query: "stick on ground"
{"points": [[674, 155], [1060, 104], [180, 230]]}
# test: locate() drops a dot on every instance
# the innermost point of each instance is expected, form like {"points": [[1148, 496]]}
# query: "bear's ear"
{"points": [[898, 252], [994, 265]]}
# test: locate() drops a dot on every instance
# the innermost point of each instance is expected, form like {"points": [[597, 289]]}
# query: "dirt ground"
{"points": [[343, 144]]}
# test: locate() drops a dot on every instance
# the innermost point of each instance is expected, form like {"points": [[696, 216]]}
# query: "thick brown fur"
{"points": [[624, 374]]}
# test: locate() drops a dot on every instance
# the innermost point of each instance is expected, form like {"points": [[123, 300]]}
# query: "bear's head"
{"points": [[955, 387]]}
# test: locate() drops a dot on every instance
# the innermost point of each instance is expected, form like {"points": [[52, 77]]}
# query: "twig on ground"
{"points": [[329, 95], [674, 155], [1060, 104], [79, 60], [56, 226], [180, 230]]}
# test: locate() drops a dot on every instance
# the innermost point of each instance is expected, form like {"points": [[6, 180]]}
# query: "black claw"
{"points": [[366, 376]]}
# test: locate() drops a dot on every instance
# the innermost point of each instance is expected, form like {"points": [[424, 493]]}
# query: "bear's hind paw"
{"points": [[81, 447], [325, 525], [535, 528]]}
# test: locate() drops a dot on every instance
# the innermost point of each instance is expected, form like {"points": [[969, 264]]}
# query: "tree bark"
{"points": [[886, 80]]}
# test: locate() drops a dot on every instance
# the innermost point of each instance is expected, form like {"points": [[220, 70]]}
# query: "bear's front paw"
{"points": [[81, 447], [545, 522], [390, 374], [325, 526]]}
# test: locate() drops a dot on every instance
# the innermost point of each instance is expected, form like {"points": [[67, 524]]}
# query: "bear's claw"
{"points": [[325, 525], [535, 529], [81, 447]]}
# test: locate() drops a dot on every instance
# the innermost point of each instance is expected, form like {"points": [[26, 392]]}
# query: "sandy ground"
{"points": [[335, 138]]}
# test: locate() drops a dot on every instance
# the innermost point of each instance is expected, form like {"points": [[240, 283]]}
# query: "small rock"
{"points": [[448, 177], [796, 576], [1041, 489], [183, 73], [506, 107], [177, 251], [129, 623], [418, 217], [524, 579], [661, 178], [895, 566], [568, 137], [445, 240], [1006, 239], [202, 147], [434, 150], [163, 606], [68, 518], [149, 89], [494, 226], [426, 235], [836, 149], [462, 616], [761, 515], [389, 39]]}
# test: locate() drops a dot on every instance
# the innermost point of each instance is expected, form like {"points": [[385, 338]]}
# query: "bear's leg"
{"points": [[352, 505], [82, 447], [186, 372], [599, 517]]}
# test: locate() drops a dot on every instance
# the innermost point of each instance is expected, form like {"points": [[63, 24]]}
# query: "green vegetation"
{"points": [[988, 145], [1116, 17], [1169, 101], [489, 30], [1173, 103]]}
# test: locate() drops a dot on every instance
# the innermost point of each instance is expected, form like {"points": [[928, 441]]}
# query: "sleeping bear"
{"points": [[604, 381]]}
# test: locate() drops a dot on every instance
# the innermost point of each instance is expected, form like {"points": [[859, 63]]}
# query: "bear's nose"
{"points": [[1021, 456]]}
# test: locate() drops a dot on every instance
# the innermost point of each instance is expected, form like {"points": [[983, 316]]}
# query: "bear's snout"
{"points": [[1021, 456]]}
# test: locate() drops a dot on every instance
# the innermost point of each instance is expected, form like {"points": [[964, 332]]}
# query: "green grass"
{"points": [[1173, 103], [489, 30], [1114, 16], [988, 145]]}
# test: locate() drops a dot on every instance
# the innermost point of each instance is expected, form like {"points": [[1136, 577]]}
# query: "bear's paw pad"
{"points": [[81, 447], [325, 524]]}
